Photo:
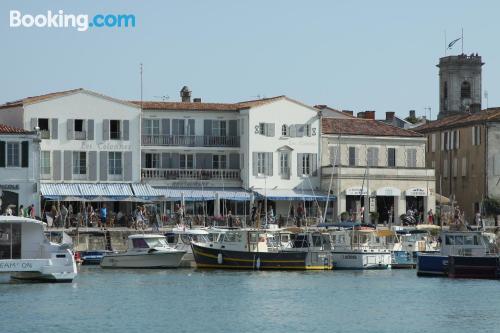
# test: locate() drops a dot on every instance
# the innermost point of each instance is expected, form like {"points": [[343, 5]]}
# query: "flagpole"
{"points": [[445, 44], [462, 40]]}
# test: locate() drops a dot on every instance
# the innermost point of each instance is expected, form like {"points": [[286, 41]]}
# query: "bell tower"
{"points": [[459, 84]]}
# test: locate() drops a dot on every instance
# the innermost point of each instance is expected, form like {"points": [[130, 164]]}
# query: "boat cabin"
{"points": [[146, 242], [464, 243], [179, 237]]}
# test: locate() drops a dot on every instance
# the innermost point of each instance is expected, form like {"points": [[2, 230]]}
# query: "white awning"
{"points": [[198, 194], [388, 192], [416, 192], [293, 195], [81, 191], [355, 191], [147, 192]]}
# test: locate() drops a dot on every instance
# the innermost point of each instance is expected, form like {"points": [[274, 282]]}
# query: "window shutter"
{"points": [[67, 164], [165, 127], [103, 163], [356, 157], [175, 160], [126, 130], [457, 139], [270, 129], [254, 162], [375, 156], [233, 128], [2, 154], [292, 131], [70, 124], [105, 131], [442, 141], [269, 162], [25, 154], [165, 159], [143, 159], [56, 160], [34, 123], [90, 129], [55, 128], [300, 130], [314, 164], [334, 155], [127, 166], [92, 165], [234, 161], [299, 164], [207, 127], [433, 143], [190, 127]]}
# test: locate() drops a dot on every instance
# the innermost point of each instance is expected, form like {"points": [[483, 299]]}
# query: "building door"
{"points": [[385, 209], [12, 199]]}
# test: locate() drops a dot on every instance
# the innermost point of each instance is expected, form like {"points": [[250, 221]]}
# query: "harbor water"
{"points": [[185, 300]]}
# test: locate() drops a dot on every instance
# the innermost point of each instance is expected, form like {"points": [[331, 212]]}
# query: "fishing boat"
{"points": [[181, 238], [359, 249], [145, 251], [249, 249], [27, 254], [465, 244], [409, 243]]}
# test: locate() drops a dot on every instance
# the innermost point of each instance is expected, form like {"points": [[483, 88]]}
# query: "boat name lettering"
{"points": [[15, 265]]}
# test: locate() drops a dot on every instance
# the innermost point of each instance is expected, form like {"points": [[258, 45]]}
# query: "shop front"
{"points": [[386, 204]]}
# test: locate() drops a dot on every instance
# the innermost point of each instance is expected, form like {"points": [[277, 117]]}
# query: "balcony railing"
{"points": [[80, 135], [45, 134], [191, 140], [195, 174]]}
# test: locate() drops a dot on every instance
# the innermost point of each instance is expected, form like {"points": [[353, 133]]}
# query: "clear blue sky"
{"points": [[358, 55]]}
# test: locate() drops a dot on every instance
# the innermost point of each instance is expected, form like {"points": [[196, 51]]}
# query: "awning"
{"points": [[146, 192], [198, 194], [293, 195], [388, 192], [87, 192]]}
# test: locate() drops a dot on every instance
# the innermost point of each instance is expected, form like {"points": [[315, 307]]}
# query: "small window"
{"points": [[152, 160], [219, 128], [284, 130], [465, 90], [391, 157], [13, 159], [115, 163], [219, 162], [79, 163], [262, 128], [306, 164], [261, 163], [186, 161], [79, 125], [43, 124], [352, 156], [411, 158], [114, 128], [372, 156], [45, 162]]}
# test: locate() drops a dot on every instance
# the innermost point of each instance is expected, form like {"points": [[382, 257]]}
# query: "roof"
{"points": [[5, 129], [361, 126], [461, 120], [327, 108], [199, 106], [45, 97]]}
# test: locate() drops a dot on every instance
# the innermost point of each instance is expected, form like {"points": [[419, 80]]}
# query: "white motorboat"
{"points": [[27, 254], [181, 238], [145, 251], [359, 249]]}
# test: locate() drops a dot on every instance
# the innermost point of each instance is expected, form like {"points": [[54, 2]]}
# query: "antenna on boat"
{"points": [[336, 161]]}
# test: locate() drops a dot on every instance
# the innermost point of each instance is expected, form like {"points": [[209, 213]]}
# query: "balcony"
{"points": [[191, 174], [191, 140], [45, 134], [80, 135]]}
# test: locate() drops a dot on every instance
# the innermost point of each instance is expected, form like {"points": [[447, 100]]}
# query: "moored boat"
{"points": [[181, 238], [145, 251]]}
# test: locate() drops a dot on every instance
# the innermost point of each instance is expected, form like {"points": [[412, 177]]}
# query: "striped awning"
{"points": [[197, 194], [81, 191], [293, 195], [147, 192]]}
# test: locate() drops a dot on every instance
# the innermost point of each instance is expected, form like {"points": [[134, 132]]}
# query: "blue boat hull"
{"points": [[432, 265]]}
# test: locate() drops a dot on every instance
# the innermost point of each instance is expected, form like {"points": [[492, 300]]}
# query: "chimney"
{"points": [[412, 114], [370, 115], [389, 115], [197, 100], [185, 94], [349, 112], [361, 115]]}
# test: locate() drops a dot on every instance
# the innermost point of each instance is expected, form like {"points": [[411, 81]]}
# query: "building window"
{"points": [[114, 130], [13, 154], [79, 163], [43, 124], [464, 167], [433, 142], [455, 167], [45, 162], [285, 165], [219, 162], [476, 135], [411, 158], [79, 129], [391, 157], [151, 126], [261, 163], [284, 130], [465, 90], [187, 161], [372, 156], [445, 168], [219, 128], [352, 156], [152, 161], [115, 163], [306, 164], [262, 128], [308, 130]]}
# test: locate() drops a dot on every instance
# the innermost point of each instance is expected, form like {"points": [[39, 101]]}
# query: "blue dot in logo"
{"points": [[91, 24]]}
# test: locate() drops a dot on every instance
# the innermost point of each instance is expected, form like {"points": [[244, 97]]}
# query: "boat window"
{"points": [[469, 240], [156, 242], [285, 238], [200, 238], [253, 237], [186, 239], [10, 241], [450, 240], [459, 240], [232, 237], [172, 238], [139, 243], [300, 241], [316, 240]]}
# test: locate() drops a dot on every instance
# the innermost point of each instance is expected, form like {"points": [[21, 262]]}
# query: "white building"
{"points": [[379, 161], [204, 152], [19, 169], [90, 143]]}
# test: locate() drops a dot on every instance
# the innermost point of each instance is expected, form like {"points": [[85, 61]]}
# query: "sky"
{"points": [[355, 55]]}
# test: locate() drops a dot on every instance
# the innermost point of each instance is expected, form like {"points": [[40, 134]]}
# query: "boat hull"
{"points": [[431, 265], [480, 267], [170, 259], [206, 257], [361, 260]]}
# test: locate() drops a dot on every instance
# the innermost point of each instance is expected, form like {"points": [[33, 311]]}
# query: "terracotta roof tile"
{"points": [[490, 114], [360, 126], [5, 129]]}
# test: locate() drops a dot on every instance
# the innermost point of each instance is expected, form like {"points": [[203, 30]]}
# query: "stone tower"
{"points": [[459, 84]]}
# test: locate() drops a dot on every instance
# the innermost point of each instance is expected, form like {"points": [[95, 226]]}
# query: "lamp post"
{"points": [[262, 175]]}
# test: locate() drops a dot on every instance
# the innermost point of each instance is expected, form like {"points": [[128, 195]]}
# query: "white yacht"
{"points": [[181, 238], [27, 254], [145, 251], [359, 249]]}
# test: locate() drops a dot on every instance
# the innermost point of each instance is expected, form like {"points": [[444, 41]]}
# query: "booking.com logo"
{"points": [[80, 22]]}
